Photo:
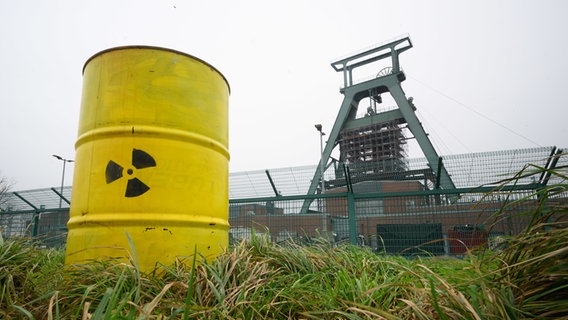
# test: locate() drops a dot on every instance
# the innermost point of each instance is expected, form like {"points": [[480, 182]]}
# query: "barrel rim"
{"points": [[155, 48]]}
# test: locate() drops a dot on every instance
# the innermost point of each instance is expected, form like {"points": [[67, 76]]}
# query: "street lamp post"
{"points": [[321, 169], [62, 175]]}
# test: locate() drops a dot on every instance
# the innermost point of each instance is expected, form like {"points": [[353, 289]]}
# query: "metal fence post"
{"points": [[350, 207], [35, 229], [352, 218]]}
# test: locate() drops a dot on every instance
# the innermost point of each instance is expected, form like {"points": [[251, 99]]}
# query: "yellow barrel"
{"points": [[151, 165]]}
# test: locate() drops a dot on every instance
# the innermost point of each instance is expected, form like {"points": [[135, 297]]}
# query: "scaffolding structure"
{"points": [[383, 144]]}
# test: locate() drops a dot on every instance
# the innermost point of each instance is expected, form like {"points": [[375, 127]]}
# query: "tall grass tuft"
{"points": [[533, 269], [24, 268]]}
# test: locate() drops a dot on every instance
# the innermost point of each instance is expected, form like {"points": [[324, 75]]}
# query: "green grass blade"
{"points": [[24, 312], [137, 268], [189, 295], [100, 311]]}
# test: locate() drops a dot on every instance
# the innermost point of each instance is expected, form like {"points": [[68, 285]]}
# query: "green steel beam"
{"points": [[438, 173], [344, 111], [33, 211], [453, 192], [352, 218], [376, 118], [35, 214], [17, 212], [449, 192], [391, 49], [61, 195], [26, 201], [276, 193], [548, 160], [551, 165], [351, 214], [417, 130]]}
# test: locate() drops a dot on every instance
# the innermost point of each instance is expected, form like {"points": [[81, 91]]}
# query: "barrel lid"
{"points": [[155, 48]]}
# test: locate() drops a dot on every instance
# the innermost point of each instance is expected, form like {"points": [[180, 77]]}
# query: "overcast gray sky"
{"points": [[485, 75]]}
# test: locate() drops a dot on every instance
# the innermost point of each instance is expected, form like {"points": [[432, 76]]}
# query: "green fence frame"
{"points": [[517, 199], [353, 212]]}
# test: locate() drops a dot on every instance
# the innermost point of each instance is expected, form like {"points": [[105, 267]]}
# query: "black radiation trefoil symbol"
{"points": [[134, 187]]}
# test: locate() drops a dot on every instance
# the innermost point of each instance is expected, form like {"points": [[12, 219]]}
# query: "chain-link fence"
{"points": [[41, 214], [405, 223], [401, 212]]}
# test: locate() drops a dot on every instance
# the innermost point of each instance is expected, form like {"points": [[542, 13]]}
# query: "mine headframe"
{"points": [[376, 137]]}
